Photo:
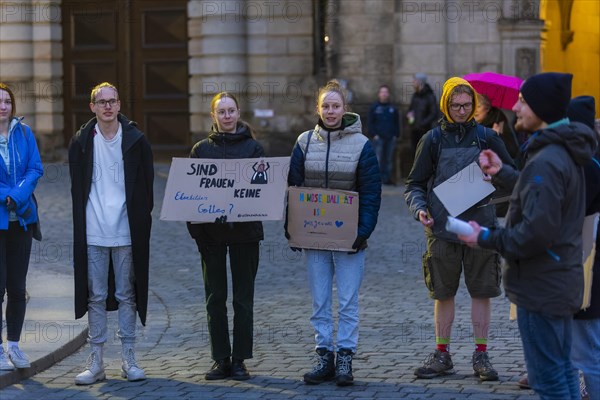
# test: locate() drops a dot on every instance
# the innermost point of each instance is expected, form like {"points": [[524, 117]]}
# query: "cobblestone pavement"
{"points": [[396, 331]]}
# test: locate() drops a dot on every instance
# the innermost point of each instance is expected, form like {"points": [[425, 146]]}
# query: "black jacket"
{"points": [[425, 108], [139, 178], [231, 146], [542, 239]]}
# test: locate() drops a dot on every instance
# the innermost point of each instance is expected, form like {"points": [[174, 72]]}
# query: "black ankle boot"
{"points": [[324, 370], [343, 368]]}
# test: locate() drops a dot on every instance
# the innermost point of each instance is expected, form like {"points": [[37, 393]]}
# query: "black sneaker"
{"points": [[221, 369], [343, 368], [324, 370], [482, 367], [239, 371], [437, 364]]}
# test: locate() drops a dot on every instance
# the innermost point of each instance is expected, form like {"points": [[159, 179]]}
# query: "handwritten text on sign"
{"points": [[322, 219], [249, 189]]}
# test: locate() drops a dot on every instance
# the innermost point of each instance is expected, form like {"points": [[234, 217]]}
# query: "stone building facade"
{"points": [[273, 53]]}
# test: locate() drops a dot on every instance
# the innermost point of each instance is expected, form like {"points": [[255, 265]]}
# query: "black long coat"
{"points": [[139, 178]]}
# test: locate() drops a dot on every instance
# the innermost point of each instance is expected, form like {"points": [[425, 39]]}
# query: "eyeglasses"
{"points": [[466, 106], [222, 113], [102, 103]]}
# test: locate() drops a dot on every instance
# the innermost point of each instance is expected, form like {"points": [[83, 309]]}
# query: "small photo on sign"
{"points": [[323, 219]]}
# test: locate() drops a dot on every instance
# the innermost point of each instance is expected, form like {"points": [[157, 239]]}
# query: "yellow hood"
{"points": [[449, 85]]}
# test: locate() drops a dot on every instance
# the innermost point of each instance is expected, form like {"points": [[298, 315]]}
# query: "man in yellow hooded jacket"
{"points": [[441, 153]]}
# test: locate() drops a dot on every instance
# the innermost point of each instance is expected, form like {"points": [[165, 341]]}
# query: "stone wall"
{"points": [[261, 51], [31, 53]]}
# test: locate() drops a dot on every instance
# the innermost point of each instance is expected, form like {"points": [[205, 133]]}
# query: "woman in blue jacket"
{"points": [[336, 155], [20, 170]]}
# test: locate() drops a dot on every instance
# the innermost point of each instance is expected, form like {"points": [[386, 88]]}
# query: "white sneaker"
{"points": [[94, 370], [5, 364], [18, 358], [130, 369]]}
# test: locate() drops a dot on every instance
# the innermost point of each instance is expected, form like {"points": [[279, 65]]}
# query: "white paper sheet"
{"points": [[463, 190]]}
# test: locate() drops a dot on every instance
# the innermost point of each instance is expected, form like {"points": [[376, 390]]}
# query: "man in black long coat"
{"points": [[112, 174]]}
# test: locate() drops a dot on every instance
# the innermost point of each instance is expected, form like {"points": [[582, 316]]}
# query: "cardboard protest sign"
{"points": [[250, 189], [323, 219]]}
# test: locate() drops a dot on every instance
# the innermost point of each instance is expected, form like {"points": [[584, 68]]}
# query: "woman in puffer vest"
{"points": [[336, 155]]}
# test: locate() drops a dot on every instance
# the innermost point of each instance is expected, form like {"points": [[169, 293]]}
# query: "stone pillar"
{"points": [[16, 52], [31, 52], [361, 49], [280, 60], [218, 59], [48, 74], [522, 38]]}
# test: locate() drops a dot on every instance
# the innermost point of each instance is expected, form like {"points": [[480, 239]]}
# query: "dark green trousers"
{"points": [[243, 259]]}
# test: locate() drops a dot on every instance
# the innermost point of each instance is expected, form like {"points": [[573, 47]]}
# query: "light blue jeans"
{"points": [[585, 353], [98, 261], [348, 270]]}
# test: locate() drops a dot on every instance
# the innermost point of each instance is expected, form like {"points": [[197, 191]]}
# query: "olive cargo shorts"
{"points": [[443, 263]]}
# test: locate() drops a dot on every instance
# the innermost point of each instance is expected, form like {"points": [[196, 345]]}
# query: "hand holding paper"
{"points": [[467, 232]]}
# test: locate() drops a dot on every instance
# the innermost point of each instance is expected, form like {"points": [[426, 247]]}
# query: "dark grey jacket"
{"points": [[542, 242]]}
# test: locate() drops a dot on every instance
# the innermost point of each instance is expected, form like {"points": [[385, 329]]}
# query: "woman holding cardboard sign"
{"points": [[336, 155], [231, 138]]}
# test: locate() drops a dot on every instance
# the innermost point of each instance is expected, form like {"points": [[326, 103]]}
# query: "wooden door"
{"points": [[141, 47]]}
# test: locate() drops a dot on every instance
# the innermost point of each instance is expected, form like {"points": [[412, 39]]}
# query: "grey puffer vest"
{"points": [[331, 157]]}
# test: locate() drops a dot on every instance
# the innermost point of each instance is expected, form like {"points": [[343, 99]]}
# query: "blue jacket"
{"points": [[383, 120], [25, 170], [328, 149]]}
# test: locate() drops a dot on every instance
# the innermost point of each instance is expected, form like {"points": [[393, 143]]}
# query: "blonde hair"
{"points": [[222, 95], [99, 87], [12, 98], [331, 86]]}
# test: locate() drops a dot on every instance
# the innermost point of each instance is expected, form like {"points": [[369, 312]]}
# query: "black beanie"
{"points": [[582, 109], [548, 95]]}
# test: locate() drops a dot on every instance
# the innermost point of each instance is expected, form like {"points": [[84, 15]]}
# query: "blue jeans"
{"points": [[585, 353], [98, 261], [547, 349], [384, 149], [348, 270]]}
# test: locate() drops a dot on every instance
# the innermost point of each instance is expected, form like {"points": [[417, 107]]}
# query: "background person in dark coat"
{"points": [[384, 126], [111, 227], [228, 138], [423, 110], [586, 326]]}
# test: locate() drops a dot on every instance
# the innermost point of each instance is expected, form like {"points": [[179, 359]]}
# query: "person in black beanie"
{"points": [[585, 352], [543, 272]]}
